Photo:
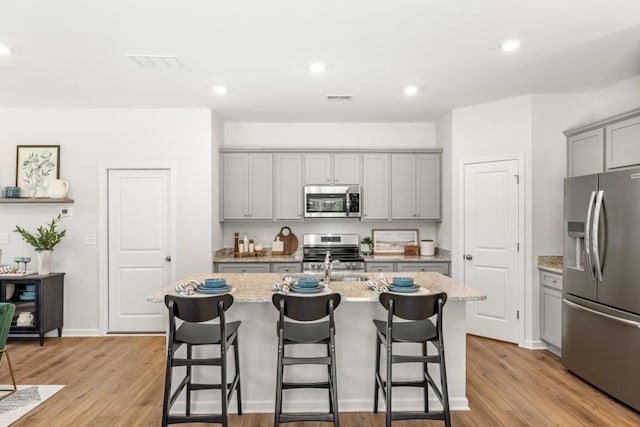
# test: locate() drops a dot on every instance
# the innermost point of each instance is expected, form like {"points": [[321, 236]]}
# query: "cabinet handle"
{"points": [[244, 269], [286, 269], [422, 269]]}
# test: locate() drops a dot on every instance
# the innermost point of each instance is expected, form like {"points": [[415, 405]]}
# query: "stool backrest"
{"points": [[6, 317], [306, 309], [413, 307], [198, 309]]}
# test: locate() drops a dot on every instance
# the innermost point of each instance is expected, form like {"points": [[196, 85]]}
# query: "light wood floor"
{"points": [[118, 381]]}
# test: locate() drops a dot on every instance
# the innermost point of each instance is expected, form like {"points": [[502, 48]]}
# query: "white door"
{"points": [[139, 223], [491, 221]]}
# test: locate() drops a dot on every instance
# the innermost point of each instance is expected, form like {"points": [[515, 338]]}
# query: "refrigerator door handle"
{"points": [[595, 227], [587, 235], [608, 316]]}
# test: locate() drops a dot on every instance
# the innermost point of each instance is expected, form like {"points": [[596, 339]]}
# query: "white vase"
{"points": [[44, 262]]}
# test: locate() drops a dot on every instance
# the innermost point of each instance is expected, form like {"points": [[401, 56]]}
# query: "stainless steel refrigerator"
{"points": [[601, 295]]}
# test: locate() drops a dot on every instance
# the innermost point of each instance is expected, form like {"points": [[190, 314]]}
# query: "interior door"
{"points": [[491, 229], [139, 221]]}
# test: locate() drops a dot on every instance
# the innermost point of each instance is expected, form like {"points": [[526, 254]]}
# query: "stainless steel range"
{"points": [[343, 251]]}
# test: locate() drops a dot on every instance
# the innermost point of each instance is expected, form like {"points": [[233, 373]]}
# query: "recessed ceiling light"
{"points": [[510, 45], [410, 90], [219, 90], [317, 67], [4, 50]]}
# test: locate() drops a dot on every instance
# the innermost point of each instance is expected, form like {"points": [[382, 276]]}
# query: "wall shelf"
{"points": [[36, 200]]}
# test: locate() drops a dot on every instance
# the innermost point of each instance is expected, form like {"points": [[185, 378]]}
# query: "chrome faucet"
{"points": [[328, 267]]}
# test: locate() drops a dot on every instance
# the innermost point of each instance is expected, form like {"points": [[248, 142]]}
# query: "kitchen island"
{"points": [[355, 345]]}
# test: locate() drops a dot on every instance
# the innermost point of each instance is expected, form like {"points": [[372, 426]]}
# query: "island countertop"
{"points": [[256, 287]]}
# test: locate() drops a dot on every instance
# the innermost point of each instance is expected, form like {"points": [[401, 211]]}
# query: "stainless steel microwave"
{"points": [[332, 201]]}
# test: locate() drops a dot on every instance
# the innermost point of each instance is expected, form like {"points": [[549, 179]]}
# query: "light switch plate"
{"points": [[4, 238], [90, 239]]}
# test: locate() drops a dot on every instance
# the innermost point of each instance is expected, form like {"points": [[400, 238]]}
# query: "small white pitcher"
{"points": [[58, 189]]}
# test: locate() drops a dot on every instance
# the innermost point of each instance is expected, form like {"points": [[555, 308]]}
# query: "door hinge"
{"points": [[517, 178], [518, 247], [517, 314]]}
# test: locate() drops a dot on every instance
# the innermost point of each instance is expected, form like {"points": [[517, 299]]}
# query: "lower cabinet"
{"points": [[551, 311], [239, 267], [408, 267], [380, 267], [286, 267], [39, 302]]}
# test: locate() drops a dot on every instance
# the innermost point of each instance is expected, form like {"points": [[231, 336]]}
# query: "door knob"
{"points": [[468, 257], [167, 258]]}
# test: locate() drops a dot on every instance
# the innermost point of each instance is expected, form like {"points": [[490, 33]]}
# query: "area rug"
{"points": [[24, 400]]}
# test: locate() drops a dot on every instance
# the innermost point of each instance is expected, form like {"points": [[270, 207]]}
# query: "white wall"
{"points": [[88, 139], [616, 99], [326, 135], [444, 141]]}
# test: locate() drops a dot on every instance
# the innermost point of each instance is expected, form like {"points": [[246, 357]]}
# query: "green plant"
{"points": [[367, 241], [46, 237]]}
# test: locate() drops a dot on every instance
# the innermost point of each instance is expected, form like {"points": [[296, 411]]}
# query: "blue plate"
{"points": [[404, 289], [220, 290], [300, 290]]}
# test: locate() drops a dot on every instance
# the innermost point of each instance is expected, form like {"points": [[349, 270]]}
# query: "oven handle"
{"points": [[348, 203]]}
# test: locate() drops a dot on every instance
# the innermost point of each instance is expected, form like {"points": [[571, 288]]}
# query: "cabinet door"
{"points": [[289, 186], [417, 267], [428, 186], [235, 192], [586, 153], [317, 168], [243, 268], [403, 186], [382, 267], [551, 316], [261, 186], [346, 169], [623, 143], [375, 187], [286, 267]]}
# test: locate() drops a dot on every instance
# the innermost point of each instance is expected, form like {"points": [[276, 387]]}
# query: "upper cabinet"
{"points": [[375, 186], [609, 144], [247, 186], [415, 186], [332, 169], [288, 177]]}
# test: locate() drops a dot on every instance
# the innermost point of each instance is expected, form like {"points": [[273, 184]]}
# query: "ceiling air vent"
{"points": [[156, 61], [338, 98]]}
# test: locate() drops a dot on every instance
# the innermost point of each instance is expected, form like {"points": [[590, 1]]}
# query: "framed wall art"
{"points": [[36, 167], [392, 241]]}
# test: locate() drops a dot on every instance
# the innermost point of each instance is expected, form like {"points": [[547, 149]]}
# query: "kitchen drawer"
{"points": [[286, 267], [382, 267], [411, 267], [237, 267], [552, 280]]}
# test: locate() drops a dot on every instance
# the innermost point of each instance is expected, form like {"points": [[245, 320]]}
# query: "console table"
{"points": [[40, 295]]}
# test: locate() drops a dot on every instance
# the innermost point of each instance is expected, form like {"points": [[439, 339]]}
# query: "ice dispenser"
{"points": [[575, 250]]}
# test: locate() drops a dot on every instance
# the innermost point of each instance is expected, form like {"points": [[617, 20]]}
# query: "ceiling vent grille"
{"points": [[338, 98], [156, 61]]}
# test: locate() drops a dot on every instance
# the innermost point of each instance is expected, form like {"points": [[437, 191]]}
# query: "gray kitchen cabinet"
{"points": [[379, 267], [240, 267], [623, 143], [551, 311], [412, 267], [332, 169], [415, 186], [288, 176], [247, 186], [286, 267], [375, 186], [586, 153]]}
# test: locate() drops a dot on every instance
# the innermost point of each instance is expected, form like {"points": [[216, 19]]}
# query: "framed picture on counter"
{"points": [[36, 167], [391, 241]]}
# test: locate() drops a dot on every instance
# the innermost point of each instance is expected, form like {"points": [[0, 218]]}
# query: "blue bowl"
{"points": [[308, 282], [402, 281], [215, 282]]}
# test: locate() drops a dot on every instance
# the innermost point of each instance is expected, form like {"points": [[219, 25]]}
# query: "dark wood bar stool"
{"points": [[307, 311], [417, 309], [193, 311]]}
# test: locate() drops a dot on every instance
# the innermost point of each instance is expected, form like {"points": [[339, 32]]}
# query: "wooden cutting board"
{"points": [[290, 240]]}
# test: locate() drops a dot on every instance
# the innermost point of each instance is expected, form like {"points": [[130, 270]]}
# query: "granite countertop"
{"points": [[222, 255], [256, 287], [550, 263]]}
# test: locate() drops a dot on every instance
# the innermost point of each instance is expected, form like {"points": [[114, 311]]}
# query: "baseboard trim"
{"points": [[75, 333], [533, 345]]}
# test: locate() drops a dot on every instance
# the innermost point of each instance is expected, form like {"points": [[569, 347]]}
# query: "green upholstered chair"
{"points": [[6, 317]]}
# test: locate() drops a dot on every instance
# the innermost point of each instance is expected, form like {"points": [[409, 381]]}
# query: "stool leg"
{"points": [[330, 380], [223, 381], [236, 352], [188, 367], [278, 409], [444, 386], [389, 381], [425, 353], [167, 386], [376, 374], [334, 383]]}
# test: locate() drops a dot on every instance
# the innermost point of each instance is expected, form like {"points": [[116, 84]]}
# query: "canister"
{"points": [[427, 248]]}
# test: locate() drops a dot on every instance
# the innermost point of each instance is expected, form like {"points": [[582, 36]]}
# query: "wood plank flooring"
{"points": [[118, 381]]}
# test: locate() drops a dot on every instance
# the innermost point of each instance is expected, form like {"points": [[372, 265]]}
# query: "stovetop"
{"points": [[342, 247]]}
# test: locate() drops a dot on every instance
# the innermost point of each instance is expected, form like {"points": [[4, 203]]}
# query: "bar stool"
{"points": [[417, 309], [306, 310], [192, 332]]}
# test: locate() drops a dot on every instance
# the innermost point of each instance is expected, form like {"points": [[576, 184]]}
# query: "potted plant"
{"points": [[368, 243], [43, 241]]}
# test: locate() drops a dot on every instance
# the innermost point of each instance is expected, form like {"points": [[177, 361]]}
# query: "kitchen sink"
{"points": [[349, 278]]}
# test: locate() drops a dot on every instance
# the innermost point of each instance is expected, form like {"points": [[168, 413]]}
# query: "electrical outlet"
{"points": [[66, 211]]}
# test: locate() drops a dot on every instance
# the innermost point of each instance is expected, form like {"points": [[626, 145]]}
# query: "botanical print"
{"points": [[36, 167]]}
